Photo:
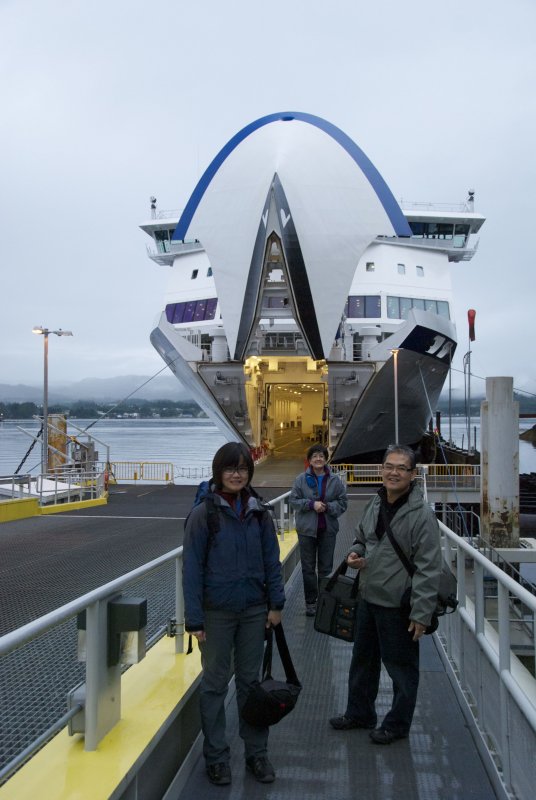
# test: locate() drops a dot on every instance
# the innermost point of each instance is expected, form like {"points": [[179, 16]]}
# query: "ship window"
{"points": [[359, 306], [417, 228], [209, 272], [194, 273], [430, 305], [356, 307], [210, 311], [372, 306], [200, 307], [393, 307], [401, 269], [189, 311], [370, 266], [405, 307], [443, 309], [417, 303], [420, 272], [461, 232]]}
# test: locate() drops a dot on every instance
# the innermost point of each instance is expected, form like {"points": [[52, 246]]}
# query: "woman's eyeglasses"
{"points": [[230, 471]]}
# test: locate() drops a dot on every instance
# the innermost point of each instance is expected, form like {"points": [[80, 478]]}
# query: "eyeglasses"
{"points": [[318, 455], [229, 471], [396, 468]]}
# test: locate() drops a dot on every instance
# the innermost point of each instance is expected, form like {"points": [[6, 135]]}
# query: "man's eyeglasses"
{"points": [[396, 468], [230, 471], [318, 455]]}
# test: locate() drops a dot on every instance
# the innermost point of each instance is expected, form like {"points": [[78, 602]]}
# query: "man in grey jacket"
{"points": [[386, 632]]}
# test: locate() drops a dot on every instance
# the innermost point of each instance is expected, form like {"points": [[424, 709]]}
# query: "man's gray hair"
{"points": [[403, 450]]}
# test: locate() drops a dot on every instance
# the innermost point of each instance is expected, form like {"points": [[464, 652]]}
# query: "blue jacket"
{"points": [[235, 568]]}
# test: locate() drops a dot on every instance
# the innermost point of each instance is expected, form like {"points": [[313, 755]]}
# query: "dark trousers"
{"points": [[231, 638], [313, 549], [382, 636]]}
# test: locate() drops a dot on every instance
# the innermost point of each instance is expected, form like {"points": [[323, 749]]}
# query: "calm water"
{"points": [[186, 443], [183, 442]]}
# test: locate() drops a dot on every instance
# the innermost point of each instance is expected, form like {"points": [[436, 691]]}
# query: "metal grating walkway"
{"points": [[439, 760]]}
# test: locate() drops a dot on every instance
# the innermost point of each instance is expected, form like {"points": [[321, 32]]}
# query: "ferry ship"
{"points": [[303, 295]]}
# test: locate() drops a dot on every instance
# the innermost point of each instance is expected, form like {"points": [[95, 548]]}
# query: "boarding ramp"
{"points": [[473, 734]]}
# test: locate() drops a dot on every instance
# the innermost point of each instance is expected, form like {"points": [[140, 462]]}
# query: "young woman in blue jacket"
{"points": [[233, 590]]}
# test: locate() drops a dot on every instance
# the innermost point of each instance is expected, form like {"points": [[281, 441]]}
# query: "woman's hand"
{"points": [[199, 635], [319, 507], [273, 618], [355, 561]]}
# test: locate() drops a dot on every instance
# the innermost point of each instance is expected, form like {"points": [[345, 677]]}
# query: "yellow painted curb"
{"points": [[11, 510]]}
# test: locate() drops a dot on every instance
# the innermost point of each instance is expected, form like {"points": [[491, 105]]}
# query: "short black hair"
{"points": [[230, 455], [317, 448], [403, 450]]}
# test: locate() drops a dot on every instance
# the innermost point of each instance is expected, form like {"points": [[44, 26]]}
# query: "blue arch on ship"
{"points": [[384, 194]]}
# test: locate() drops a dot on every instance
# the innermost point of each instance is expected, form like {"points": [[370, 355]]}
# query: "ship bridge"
{"points": [[135, 733]]}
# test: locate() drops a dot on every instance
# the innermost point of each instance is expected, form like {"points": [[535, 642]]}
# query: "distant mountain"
{"points": [[163, 387]]}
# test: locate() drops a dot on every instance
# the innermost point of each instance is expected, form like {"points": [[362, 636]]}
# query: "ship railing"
{"points": [[462, 521], [167, 247], [15, 486], [82, 626], [116, 471], [65, 484], [436, 476], [408, 205], [355, 474], [451, 476], [497, 690]]}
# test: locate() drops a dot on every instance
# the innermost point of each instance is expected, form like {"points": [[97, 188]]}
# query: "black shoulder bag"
{"points": [[448, 586], [337, 605], [268, 701]]}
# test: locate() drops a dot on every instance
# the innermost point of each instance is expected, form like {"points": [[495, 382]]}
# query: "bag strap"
{"points": [[341, 570], [286, 660], [400, 553]]}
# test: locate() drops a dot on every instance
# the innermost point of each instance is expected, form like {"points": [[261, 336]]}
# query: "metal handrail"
{"points": [[27, 633], [15, 639], [494, 645]]}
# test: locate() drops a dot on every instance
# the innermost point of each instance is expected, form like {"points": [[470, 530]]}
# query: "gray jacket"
{"points": [[384, 579], [305, 492]]}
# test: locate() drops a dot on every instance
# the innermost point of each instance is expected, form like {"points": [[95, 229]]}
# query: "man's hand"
{"points": [[355, 561], [319, 507], [273, 618], [199, 635], [417, 629]]}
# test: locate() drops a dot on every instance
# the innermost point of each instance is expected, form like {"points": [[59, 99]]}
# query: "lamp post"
{"points": [[38, 329], [395, 368]]}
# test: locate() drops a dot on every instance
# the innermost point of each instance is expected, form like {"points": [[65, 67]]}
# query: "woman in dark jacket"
{"points": [[233, 590], [318, 498]]}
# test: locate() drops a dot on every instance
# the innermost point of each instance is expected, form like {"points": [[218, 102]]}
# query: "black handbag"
{"points": [[337, 605], [448, 585], [268, 700]]}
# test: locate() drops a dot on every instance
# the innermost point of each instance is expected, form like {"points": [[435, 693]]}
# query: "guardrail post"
{"points": [[503, 605], [282, 518], [103, 683], [179, 606]]}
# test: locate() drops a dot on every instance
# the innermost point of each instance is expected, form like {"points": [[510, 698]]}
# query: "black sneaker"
{"points": [[219, 774], [383, 736], [346, 723], [261, 769]]}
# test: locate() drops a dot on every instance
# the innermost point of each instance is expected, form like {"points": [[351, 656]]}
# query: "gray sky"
{"points": [[106, 103]]}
